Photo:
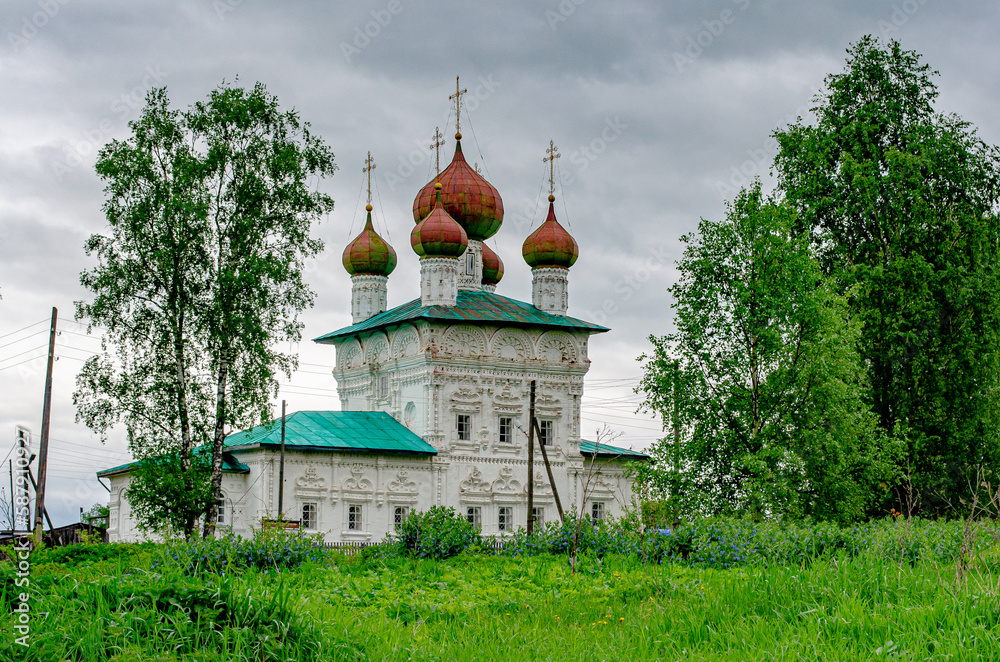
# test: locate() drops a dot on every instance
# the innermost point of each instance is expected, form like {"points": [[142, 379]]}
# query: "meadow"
{"points": [[718, 590]]}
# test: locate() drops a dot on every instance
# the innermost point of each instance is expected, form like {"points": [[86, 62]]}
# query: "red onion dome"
{"points": [[438, 235], [550, 245], [470, 199], [369, 253], [492, 266]]}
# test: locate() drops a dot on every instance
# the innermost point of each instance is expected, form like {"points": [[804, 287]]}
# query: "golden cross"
{"points": [[436, 146], [457, 96], [551, 160], [369, 166]]}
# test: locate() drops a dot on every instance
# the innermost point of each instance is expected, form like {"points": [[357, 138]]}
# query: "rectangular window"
{"points": [[354, 521], [470, 264], [475, 515], [539, 515], [597, 511], [505, 518], [506, 430], [399, 514], [546, 436], [309, 512], [220, 517], [464, 427], [383, 386]]}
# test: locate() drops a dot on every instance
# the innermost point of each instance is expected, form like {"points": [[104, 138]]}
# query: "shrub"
{"points": [[268, 548], [437, 533]]}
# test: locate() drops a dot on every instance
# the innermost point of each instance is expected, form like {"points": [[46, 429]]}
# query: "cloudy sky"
{"points": [[659, 109]]}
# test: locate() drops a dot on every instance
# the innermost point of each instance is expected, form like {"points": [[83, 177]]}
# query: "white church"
{"points": [[434, 394]]}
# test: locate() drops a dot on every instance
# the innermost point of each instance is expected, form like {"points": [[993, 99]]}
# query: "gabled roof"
{"points": [[471, 308], [344, 431], [229, 465], [332, 431], [589, 448]]}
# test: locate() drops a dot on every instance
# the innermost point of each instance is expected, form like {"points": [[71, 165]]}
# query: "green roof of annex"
{"points": [[470, 308]]}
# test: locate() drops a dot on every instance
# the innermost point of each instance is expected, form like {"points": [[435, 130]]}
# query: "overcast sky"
{"points": [[660, 111]]}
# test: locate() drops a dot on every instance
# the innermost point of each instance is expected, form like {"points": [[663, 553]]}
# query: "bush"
{"points": [[268, 548], [437, 533]]}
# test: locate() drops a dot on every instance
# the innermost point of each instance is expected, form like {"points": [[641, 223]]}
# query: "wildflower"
{"points": [[621, 620]]}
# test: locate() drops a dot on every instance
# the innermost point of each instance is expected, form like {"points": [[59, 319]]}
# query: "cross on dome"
{"points": [[551, 160], [436, 146], [369, 166], [457, 96]]}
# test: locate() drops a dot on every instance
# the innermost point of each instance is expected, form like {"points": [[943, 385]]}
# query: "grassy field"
{"points": [[127, 603]]}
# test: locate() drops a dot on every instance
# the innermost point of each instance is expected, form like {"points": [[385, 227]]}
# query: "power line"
{"points": [[14, 342], [33, 349], [24, 328]]}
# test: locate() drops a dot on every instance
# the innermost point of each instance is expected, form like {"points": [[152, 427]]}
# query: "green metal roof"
{"points": [[471, 308], [345, 431], [590, 448], [229, 465]]}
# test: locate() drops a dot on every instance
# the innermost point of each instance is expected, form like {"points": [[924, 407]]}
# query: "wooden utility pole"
{"points": [[531, 459], [43, 445], [281, 465]]}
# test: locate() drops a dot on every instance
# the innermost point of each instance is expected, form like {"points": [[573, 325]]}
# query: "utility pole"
{"points": [[43, 446], [531, 460], [281, 465]]}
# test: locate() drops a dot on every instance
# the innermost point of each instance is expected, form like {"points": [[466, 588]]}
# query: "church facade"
{"points": [[435, 393]]}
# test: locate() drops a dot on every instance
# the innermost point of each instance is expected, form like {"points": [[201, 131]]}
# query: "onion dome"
{"points": [[468, 198], [550, 245], [438, 235], [369, 253], [492, 266]]}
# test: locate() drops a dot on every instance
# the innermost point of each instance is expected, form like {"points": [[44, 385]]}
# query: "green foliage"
{"points": [[267, 548], [436, 533], [473, 607], [761, 379], [167, 496], [199, 277], [901, 204]]}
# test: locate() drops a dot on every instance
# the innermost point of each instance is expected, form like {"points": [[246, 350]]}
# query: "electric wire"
{"points": [[24, 328]]}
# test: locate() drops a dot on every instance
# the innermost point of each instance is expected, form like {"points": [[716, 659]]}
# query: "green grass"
{"points": [[120, 605]]}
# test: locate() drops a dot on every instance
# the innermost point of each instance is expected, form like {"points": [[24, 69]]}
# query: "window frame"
{"points": [[310, 523], [467, 429], [506, 435], [538, 513], [597, 511], [220, 515], [547, 428], [355, 517], [505, 519], [399, 515], [474, 515]]}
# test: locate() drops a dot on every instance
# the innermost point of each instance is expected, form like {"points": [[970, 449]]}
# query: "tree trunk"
{"points": [[220, 436]]}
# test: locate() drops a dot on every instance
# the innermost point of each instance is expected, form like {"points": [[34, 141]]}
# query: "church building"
{"points": [[434, 393]]}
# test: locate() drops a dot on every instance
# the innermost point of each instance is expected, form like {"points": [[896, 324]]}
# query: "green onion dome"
{"points": [[438, 235], [492, 266], [369, 253], [550, 245], [468, 198]]}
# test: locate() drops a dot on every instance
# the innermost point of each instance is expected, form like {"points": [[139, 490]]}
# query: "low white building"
{"points": [[433, 393]]}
